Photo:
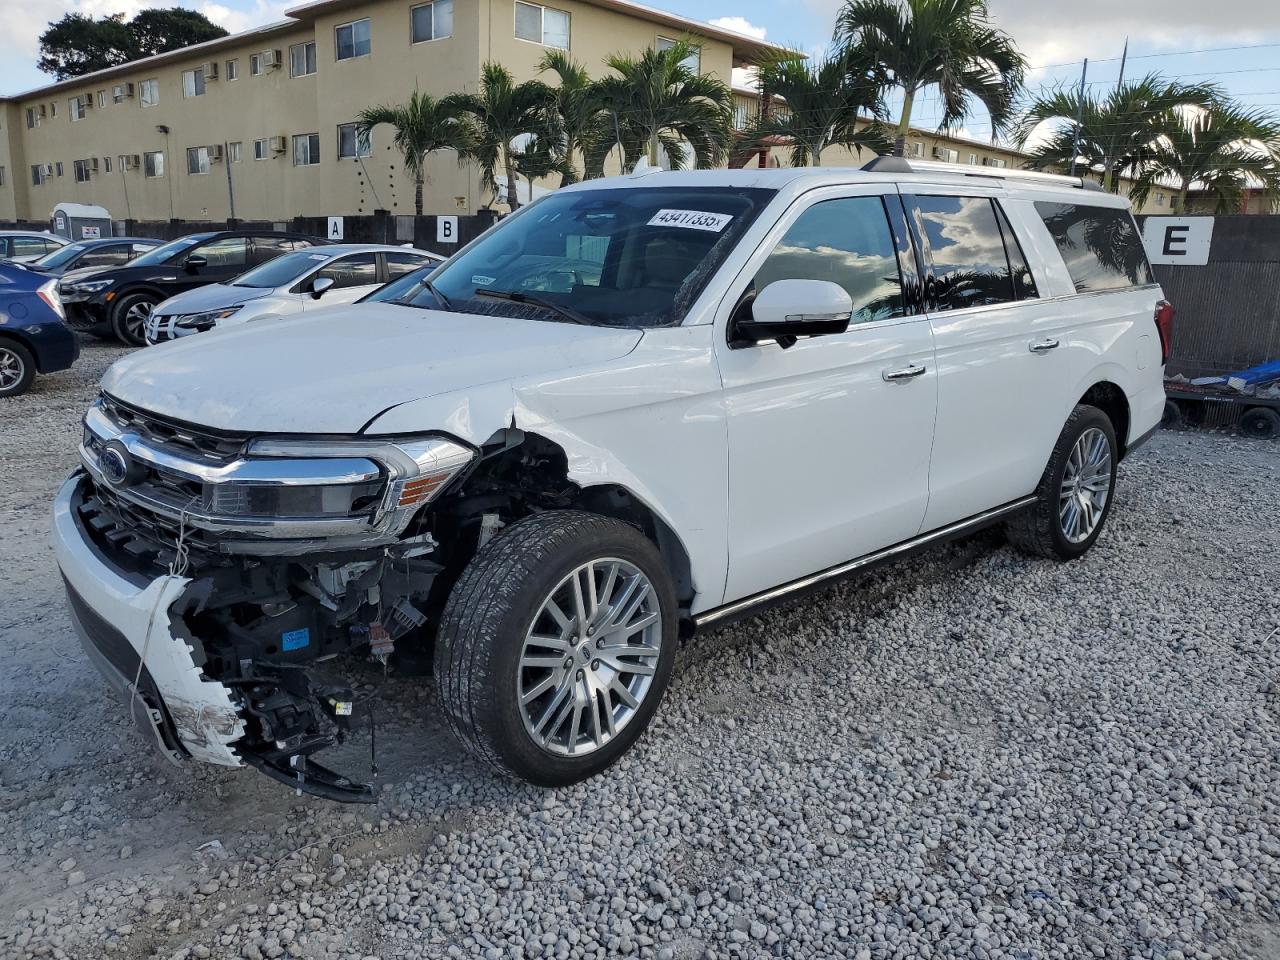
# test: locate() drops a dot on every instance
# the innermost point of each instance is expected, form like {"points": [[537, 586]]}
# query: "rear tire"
{"points": [[129, 318], [17, 368], [1260, 422], [535, 684], [1172, 417], [1075, 492]]}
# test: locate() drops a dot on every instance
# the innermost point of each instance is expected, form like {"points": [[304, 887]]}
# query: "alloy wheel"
{"points": [[589, 657], [1086, 485], [12, 369], [135, 319]]}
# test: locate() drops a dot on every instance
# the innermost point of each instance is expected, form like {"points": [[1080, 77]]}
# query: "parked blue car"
{"points": [[33, 337]]}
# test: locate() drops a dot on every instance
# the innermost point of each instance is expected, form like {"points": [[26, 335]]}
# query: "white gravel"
{"points": [[969, 754]]}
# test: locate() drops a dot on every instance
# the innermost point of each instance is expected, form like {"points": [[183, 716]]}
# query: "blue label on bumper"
{"points": [[295, 639]]}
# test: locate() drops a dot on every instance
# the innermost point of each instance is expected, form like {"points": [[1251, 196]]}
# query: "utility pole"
{"points": [[1075, 143], [231, 190], [1123, 57]]}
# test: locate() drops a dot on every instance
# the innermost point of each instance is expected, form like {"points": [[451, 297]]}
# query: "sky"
{"points": [[1055, 37]]}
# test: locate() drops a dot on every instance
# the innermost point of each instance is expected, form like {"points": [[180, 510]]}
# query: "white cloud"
{"points": [[739, 25]]}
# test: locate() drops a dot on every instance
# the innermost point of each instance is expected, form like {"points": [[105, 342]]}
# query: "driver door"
{"points": [[352, 277], [829, 439]]}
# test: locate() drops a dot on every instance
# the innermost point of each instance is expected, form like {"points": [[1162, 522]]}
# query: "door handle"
{"points": [[1043, 346], [909, 372]]}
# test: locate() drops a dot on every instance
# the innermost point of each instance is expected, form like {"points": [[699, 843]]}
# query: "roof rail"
{"points": [[903, 165]]}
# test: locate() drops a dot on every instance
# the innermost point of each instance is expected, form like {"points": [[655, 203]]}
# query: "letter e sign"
{"points": [[446, 229], [1183, 241]]}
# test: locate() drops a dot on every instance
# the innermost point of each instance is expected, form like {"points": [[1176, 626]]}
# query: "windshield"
{"points": [[60, 256], [625, 257], [282, 270], [163, 254]]}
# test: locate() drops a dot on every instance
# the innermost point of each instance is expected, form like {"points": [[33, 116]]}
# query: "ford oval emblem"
{"points": [[114, 462]]}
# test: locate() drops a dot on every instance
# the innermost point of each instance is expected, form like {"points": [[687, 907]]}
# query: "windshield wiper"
{"points": [[425, 284], [573, 316]]}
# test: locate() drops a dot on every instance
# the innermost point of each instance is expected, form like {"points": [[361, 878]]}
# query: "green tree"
{"points": [[577, 115], [539, 157], [949, 45], [821, 106], [656, 102], [79, 44], [423, 126], [1117, 130], [1222, 149], [500, 112]]}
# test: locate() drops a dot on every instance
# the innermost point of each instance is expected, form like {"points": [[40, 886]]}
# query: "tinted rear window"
{"points": [[970, 267], [1099, 245]]}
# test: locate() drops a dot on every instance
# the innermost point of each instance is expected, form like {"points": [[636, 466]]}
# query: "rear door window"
{"points": [[398, 264], [1024, 284], [846, 241], [1099, 245], [111, 255], [963, 240]]}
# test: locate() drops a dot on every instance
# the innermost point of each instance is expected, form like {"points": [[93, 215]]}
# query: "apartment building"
{"points": [[266, 118]]}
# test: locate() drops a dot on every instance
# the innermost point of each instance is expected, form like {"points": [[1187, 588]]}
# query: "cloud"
{"points": [[740, 25]]}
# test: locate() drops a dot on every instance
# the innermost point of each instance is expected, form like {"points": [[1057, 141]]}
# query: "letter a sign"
{"points": [[335, 228]]}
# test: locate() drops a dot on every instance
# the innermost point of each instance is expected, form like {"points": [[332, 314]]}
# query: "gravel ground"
{"points": [[968, 754]]}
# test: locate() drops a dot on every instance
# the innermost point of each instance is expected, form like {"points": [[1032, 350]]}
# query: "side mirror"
{"points": [[319, 285], [787, 309], [195, 263]]}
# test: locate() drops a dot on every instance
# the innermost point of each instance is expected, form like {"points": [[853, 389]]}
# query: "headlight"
{"points": [[206, 319], [90, 286]]}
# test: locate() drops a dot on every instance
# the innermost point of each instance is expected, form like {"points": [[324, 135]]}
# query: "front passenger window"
{"points": [[227, 252], [848, 242], [359, 270]]}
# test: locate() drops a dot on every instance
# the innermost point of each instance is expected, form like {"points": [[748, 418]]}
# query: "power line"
{"points": [[1149, 56]]}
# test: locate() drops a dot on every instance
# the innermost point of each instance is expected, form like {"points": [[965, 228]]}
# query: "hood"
{"points": [[333, 371], [215, 296], [159, 272]]}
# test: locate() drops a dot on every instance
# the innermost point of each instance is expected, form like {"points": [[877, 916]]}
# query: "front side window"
{"points": [[227, 252], [302, 59], [149, 93], [349, 145], [693, 62], [1099, 245], [153, 164], [197, 160], [306, 149], [634, 257], [352, 40], [431, 21], [848, 242], [111, 255], [543, 25], [359, 270], [193, 82], [970, 268]]}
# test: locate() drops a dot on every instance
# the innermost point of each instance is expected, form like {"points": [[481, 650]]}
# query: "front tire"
{"points": [[17, 368], [1075, 492], [556, 646], [129, 318]]}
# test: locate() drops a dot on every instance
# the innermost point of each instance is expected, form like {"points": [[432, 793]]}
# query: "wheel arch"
{"points": [[1108, 397], [21, 339]]}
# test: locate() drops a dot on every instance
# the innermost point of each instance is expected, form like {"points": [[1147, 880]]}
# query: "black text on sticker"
{"points": [[691, 220]]}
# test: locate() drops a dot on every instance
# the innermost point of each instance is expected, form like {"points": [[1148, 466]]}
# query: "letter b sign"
{"points": [[446, 229]]}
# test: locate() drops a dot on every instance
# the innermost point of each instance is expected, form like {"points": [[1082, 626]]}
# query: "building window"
{"points": [[946, 154], [306, 149], [352, 40], [197, 160], [149, 93], [261, 149], [544, 25], [693, 62], [53, 109], [431, 21], [153, 164], [973, 159], [81, 170], [235, 151], [302, 59], [917, 149], [349, 145], [37, 174], [255, 64], [233, 69], [193, 82], [57, 168], [1160, 199], [33, 118], [994, 162], [106, 164], [102, 98], [2, 177], [76, 106]]}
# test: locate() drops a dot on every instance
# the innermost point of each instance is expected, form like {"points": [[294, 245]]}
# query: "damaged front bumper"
{"points": [[264, 705]]}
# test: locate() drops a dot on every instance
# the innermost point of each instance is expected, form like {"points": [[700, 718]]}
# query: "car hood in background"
{"points": [[334, 371], [215, 296]]}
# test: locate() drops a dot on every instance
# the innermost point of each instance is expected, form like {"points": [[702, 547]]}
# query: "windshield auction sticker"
{"points": [[691, 220]]}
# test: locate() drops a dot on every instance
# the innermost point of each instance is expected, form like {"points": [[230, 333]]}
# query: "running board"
{"points": [[747, 605]]}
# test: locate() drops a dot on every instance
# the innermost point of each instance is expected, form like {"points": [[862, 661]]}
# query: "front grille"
{"points": [[133, 539], [173, 435]]}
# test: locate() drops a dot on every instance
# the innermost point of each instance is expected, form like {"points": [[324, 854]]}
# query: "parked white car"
{"points": [[637, 408], [290, 284], [23, 246]]}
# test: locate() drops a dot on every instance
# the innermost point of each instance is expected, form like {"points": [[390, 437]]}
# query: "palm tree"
{"points": [[1117, 131], [947, 44], [539, 157], [823, 106], [656, 102], [577, 111], [1223, 148], [500, 112], [423, 126]]}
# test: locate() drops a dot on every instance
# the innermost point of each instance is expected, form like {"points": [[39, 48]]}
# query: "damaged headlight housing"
{"points": [[204, 320]]}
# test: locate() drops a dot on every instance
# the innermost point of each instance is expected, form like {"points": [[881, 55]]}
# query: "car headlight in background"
{"points": [[204, 320], [49, 294], [90, 286]]}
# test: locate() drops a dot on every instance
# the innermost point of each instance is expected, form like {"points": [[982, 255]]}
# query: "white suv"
{"points": [[638, 407]]}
